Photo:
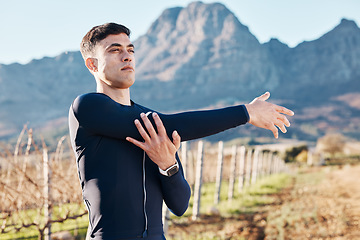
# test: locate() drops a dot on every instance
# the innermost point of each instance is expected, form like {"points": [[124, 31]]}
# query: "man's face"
{"points": [[115, 61]]}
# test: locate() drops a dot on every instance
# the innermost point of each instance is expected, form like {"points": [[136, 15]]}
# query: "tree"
{"points": [[331, 144], [292, 153]]}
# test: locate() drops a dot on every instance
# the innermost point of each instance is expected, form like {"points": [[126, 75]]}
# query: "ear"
{"points": [[91, 64]]}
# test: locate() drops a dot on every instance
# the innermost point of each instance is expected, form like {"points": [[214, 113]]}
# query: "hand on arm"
{"points": [[157, 145], [267, 115]]}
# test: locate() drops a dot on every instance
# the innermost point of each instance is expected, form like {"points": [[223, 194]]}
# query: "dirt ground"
{"points": [[322, 203]]}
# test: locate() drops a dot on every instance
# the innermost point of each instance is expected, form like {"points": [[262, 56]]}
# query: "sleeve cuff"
{"points": [[246, 113]]}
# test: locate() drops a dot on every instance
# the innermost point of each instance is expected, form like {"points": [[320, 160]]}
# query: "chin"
{"points": [[131, 82], [126, 84]]}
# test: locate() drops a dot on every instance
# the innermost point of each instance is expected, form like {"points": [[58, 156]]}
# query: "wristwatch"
{"points": [[170, 170]]}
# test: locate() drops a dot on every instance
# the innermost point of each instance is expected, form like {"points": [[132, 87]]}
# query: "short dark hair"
{"points": [[98, 33]]}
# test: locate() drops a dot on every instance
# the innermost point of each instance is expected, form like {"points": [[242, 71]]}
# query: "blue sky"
{"points": [[38, 28]]}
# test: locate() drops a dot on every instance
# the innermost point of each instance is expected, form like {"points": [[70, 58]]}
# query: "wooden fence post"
{"points": [[47, 205], [17, 146], [260, 165], [25, 161], [272, 160], [265, 163], [270, 157], [255, 166], [219, 172], [198, 181], [248, 167], [269, 160], [274, 164], [242, 151], [232, 172], [184, 158]]}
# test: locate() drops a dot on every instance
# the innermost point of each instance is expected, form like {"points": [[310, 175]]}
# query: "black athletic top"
{"points": [[122, 188]]}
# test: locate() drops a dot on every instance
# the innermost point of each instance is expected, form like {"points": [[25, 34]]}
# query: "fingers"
{"points": [[159, 124], [278, 108], [136, 142], [161, 131], [274, 131], [281, 126], [141, 130], [281, 122], [157, 145], [176, 139], [284, 110], [268, 115], [148, 125], [283, 119], [264, 97]]}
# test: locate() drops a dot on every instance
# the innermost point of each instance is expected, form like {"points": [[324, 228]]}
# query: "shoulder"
{"points": [[90, 98], [90, 101]]}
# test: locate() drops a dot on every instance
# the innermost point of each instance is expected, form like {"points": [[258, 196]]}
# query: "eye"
{"points": [[132, 50], [114, 50]]}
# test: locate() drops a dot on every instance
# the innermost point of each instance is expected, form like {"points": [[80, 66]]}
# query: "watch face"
{"points": [[172, 171]]}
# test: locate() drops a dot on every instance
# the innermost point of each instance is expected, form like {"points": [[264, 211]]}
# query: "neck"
{"points": [[119, 95]]}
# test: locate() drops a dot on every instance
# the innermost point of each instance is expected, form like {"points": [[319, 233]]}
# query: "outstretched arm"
{"points": [[100, 115], [267, 115]]}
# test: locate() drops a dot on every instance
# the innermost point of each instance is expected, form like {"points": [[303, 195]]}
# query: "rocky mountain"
{"points": [[208, 52], [201, 56]]}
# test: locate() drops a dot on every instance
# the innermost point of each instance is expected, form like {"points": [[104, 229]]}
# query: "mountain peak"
{"points": [[182, 36], [275, 41], [174, 18], [198, 4], [344, 28], [348, 23]]}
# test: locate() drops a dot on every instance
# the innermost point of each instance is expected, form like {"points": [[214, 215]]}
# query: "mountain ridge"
{"points": [[202, 56]]}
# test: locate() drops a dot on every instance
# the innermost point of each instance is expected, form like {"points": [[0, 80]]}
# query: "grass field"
{"points": [[314, 203], [214, 218], [243, 203]]}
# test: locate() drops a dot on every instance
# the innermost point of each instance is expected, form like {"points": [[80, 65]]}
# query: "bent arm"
{"points": [[176, 191]]}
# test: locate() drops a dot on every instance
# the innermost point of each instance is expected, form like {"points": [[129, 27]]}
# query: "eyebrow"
{"points": [[119, 45]]}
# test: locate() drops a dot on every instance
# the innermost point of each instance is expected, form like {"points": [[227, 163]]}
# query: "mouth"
{"points": [[127, 68]]}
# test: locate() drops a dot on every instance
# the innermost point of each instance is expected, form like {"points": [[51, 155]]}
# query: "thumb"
{"points": [[264, 97], [176, 139]]}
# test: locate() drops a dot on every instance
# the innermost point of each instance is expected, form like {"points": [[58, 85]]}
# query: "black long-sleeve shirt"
{"points": [[122, 188]]}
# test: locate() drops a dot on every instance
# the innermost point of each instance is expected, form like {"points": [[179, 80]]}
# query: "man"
{"points": [[126, 153]]}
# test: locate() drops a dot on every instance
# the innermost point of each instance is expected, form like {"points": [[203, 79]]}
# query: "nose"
{"points": [[127, 57]]}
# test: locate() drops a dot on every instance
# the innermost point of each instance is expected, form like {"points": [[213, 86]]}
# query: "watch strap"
{"points": [[170, 170]]}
